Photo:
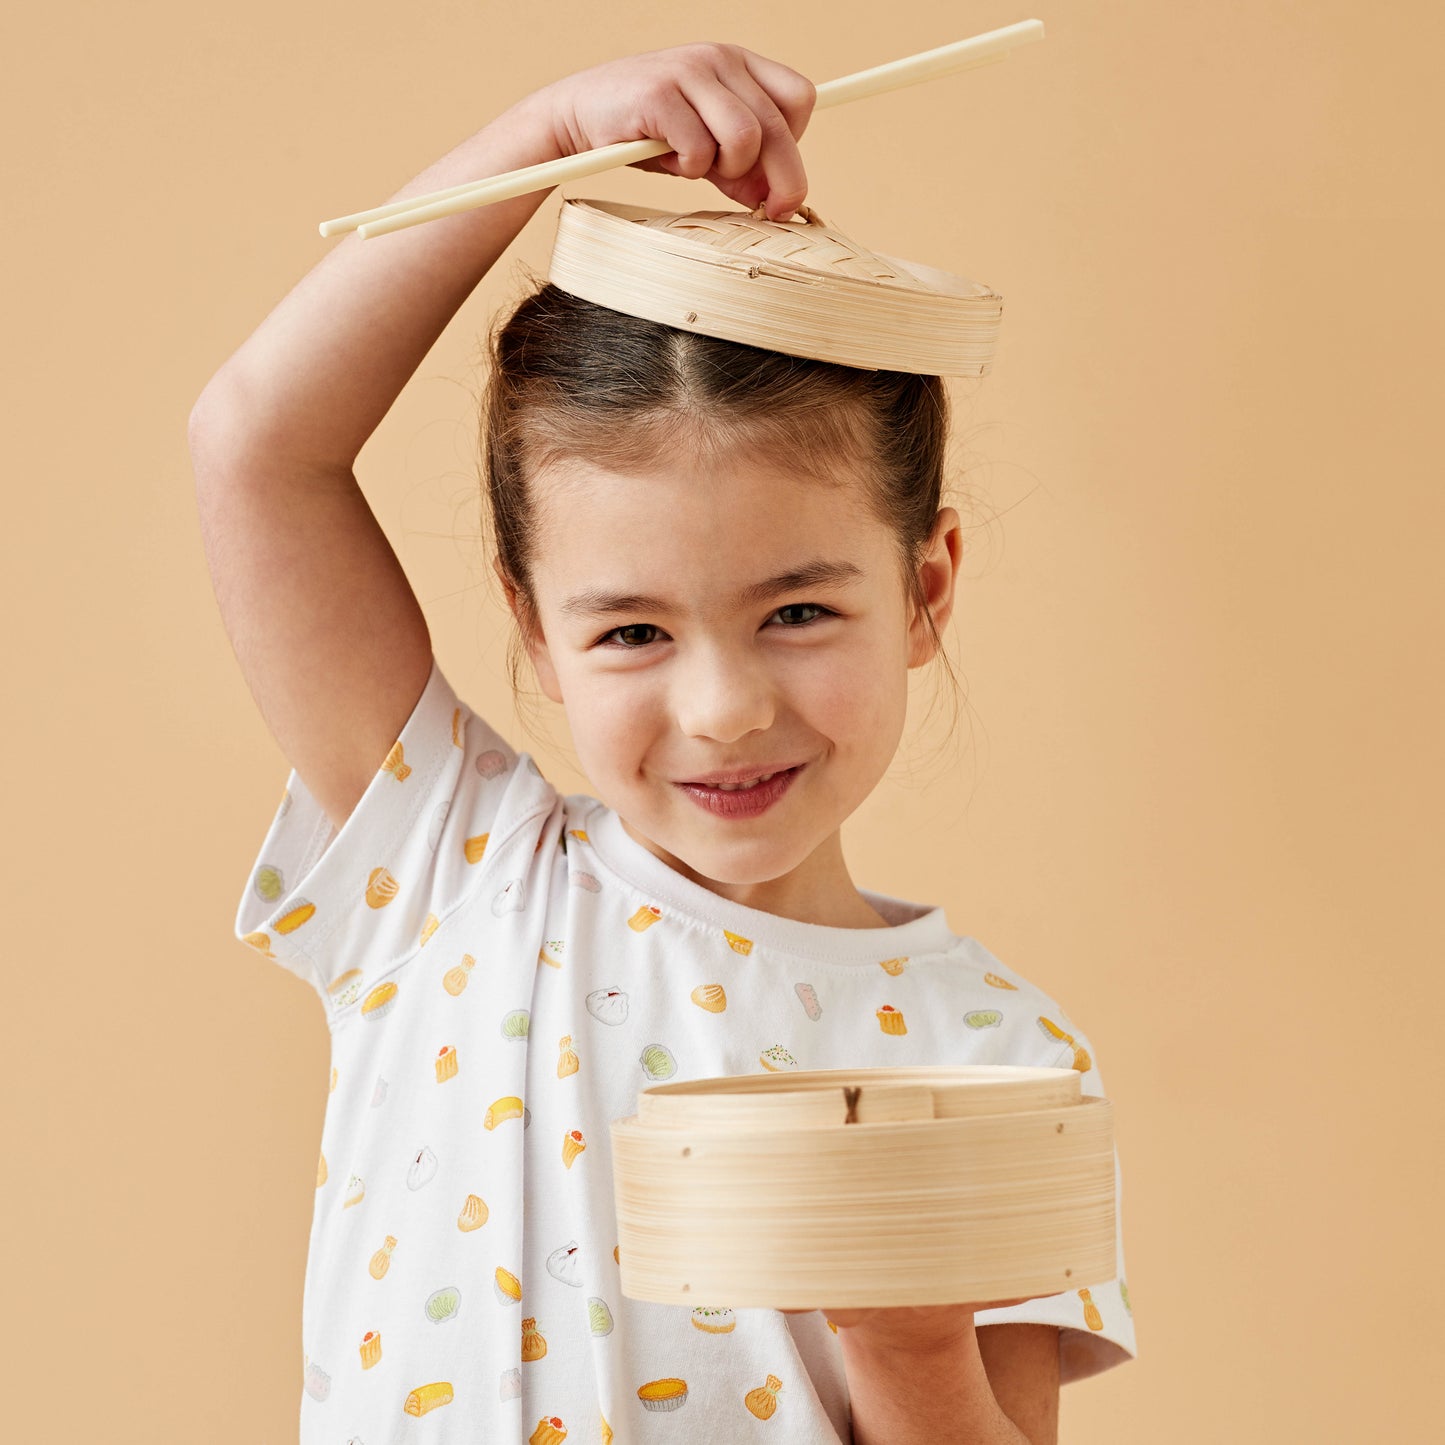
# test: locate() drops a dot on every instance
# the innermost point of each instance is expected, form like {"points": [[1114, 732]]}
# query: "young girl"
{"points": [[722, 561]]}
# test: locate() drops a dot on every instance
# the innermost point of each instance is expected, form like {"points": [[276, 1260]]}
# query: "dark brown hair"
{"points": [[572, 379]]}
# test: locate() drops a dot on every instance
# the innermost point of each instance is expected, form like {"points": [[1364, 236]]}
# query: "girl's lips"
{"points": [[742, 802], [736, 775]]}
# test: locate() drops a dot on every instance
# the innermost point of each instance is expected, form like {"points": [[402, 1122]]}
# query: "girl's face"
{"points": [[677, 652]]}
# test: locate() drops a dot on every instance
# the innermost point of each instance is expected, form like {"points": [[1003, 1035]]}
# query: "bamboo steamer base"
{"points": [[856, 1188]]}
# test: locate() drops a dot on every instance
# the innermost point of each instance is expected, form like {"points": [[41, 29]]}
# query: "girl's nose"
{"points": [[722, 698]]}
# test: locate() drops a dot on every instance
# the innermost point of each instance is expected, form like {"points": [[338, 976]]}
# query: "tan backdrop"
{"points": [[1196, 789]]}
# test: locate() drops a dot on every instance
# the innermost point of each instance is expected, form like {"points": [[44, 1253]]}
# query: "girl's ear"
{"points": [[938, 576], [536, 645]]}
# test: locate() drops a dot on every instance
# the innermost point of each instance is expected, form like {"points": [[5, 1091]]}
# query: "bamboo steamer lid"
{"points": [[799, 287], [848, 1188]]}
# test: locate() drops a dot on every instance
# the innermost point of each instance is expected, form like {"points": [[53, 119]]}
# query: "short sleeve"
{"points": [[339, 908], [1096, 1323]]}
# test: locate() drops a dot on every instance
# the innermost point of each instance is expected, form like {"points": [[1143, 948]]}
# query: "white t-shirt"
{"points": [[466, 911]]}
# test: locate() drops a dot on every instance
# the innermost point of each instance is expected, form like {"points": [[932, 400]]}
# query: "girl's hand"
{"points": [[911, 1327], [731, 116]]}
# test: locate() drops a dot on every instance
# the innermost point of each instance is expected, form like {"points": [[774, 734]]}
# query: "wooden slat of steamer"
{"points": [[928, 1212], [819, 1096]]}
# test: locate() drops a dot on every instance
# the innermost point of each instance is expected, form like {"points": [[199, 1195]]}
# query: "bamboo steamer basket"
{"points": [[849, 1188], [799, 287]]}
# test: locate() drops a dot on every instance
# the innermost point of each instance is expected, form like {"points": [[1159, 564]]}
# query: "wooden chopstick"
{"points": [[977, 50]]}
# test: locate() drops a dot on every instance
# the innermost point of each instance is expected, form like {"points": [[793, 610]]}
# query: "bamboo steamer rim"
{"points": [[1000, 1203], [798, 287], [825, 1098]]}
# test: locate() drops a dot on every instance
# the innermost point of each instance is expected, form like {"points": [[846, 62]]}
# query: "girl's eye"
{"points": [[636, 627], [802, 607], [629, 640]]}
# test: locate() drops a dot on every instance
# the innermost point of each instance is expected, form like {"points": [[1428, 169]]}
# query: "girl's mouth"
{"points": [[744, 802]]}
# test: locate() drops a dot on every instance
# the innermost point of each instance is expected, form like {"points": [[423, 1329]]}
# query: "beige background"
{"points": [[1196, 790]]}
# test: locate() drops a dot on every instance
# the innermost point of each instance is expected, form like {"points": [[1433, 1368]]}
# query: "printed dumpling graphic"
{"points": [[422, 1169], [565, 1264], [443, 1304], [895, 966], [808, 997], [554, 958], [322, 1173], [550, 1431], [318, 1382], [668, 1394], [381, 1260], [510, 899], [599, 1317], [737, 942], [516, 1024], [658, 1062], [507, 1107], [607, 1005], [890, 1020], [394, 764], [714, 1320], [645, 917], [455, 979], [377, 1004], [381, 888], [268, 883], [572, 1145], [511, 1384], [995, 981], [355, 1191], [428, 1397], [300, 912], [491, 764], [710, 996], [507, 1286], [534, 1342], [983, 1018], [370, 1348], [566, 1057], [474, 849], [429, 927], [764, 1400], [777, 1058], [474, 1213], [343, 989], [446, 1063], [1092, 1317], [1082, 1061]]}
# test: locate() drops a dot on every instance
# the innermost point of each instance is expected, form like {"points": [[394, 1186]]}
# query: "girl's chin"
{"points": [[739, 862]]}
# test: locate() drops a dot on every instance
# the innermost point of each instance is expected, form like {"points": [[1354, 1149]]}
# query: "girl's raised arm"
{"points": [[328, 632]]}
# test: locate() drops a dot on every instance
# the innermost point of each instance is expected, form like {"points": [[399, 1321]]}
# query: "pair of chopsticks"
{"points": [[985, 49]]}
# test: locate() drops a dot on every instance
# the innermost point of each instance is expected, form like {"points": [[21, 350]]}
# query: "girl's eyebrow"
{"points": [[818, 573]]}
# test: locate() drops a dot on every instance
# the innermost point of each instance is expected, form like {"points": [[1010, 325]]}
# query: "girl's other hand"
{"points": [[731, 116]]}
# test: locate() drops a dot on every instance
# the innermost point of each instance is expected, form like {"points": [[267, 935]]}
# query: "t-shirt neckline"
{"points": [[916, 928]]}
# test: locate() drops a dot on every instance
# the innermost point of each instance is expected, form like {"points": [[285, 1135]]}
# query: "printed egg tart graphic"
{"points": [[865, 1187]]}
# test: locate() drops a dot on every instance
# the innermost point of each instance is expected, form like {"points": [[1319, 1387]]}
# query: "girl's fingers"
{"points": [[675, 120], [732, 123], [790, 90], [777, 162]]}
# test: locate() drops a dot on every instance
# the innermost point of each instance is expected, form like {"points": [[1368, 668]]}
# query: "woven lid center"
{"points": [[814, 246]]}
